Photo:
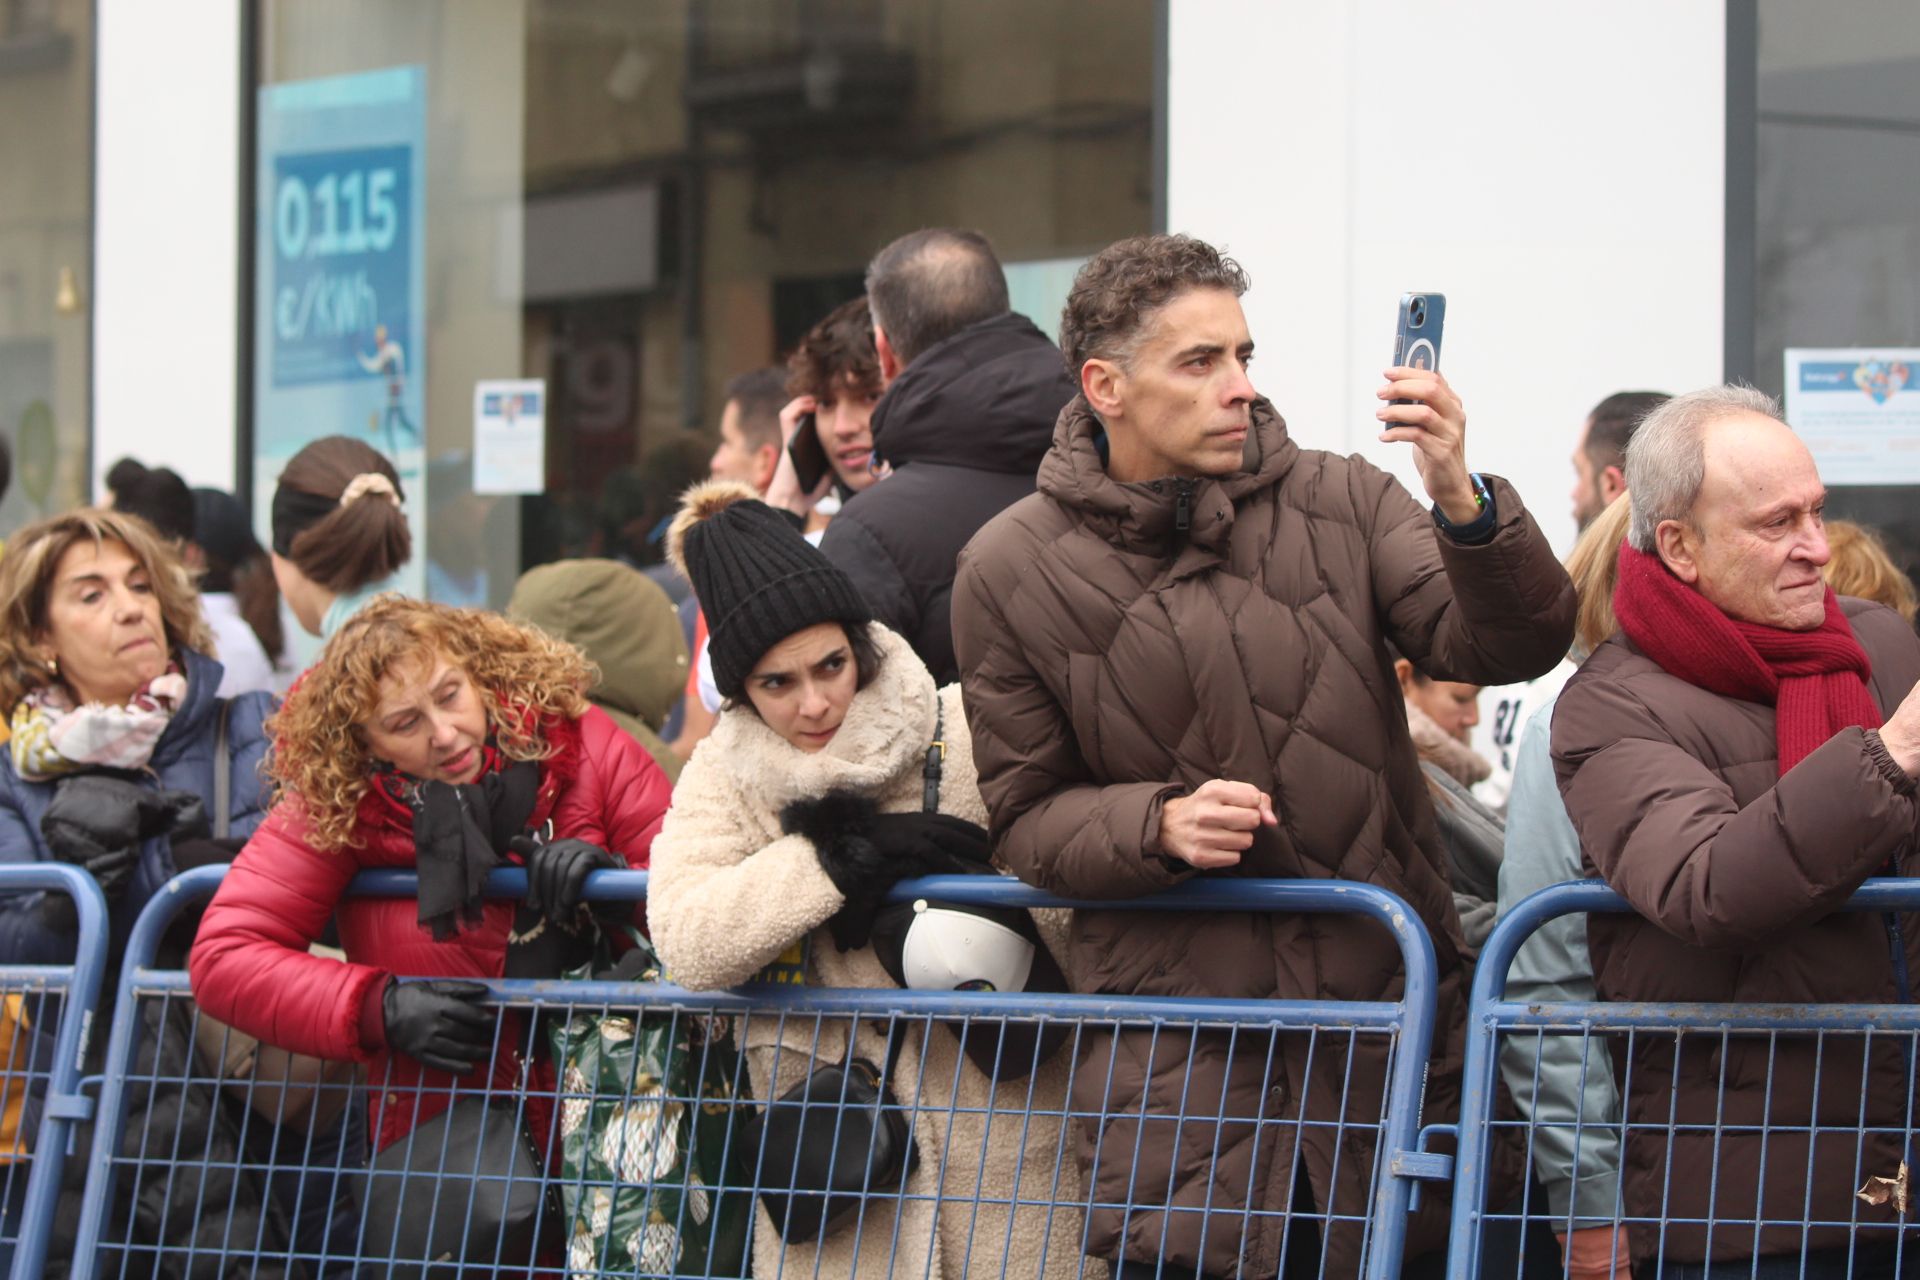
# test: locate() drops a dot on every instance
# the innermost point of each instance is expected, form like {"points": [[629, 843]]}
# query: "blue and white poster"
{"points": [[340, 325], [1858, 411]]}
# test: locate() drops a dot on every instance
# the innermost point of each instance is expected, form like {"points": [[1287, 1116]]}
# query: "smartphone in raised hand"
{"points": [[809, 457], [1416, 337]]}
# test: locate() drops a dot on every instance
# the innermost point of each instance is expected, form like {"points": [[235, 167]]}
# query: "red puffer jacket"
{"points": [[250, 967]]}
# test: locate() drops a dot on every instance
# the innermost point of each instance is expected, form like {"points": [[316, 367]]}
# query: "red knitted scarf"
{"points": [[1816, 681]]}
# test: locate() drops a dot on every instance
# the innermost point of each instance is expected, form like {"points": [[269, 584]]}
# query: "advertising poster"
{"points": [[339, 327], [509, 436], [1858, 410]]}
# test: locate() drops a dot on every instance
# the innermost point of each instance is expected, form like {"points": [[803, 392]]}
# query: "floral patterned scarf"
{"points": [[52, 736]]}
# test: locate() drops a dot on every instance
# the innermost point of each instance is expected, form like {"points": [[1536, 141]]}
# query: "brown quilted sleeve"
{"points": [[1494, 613], [1665, 830], [1053, 826]]}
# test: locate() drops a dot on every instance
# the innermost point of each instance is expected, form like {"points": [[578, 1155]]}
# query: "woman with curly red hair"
{"points": [[448, 742]]}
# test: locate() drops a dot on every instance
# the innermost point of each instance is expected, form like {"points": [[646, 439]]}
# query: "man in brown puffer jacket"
{"points": [[1725, 764], [1175, 663]]}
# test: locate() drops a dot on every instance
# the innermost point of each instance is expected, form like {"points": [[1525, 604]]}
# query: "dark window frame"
{"points": [[1741, 248], [248, 274]]}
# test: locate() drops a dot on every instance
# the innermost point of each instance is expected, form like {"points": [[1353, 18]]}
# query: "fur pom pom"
{"points": [[702, 502]]}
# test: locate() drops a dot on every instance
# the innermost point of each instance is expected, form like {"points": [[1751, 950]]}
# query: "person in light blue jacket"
{"points": [[1557, 1080], [340, 534]]}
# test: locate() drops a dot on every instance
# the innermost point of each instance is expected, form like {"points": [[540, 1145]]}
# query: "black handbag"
{"points": [[827, 1144], [462, 1189]]}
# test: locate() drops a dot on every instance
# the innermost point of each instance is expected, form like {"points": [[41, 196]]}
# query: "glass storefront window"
{"points": [[46, 232], [633, 203], [1838, 228]]}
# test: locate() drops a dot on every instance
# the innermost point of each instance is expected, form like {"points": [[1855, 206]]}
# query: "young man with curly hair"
{"points": [[834, 379], [1175, 658]]}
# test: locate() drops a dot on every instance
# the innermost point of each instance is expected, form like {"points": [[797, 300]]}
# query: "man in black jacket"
{"points": [[972, 393]]}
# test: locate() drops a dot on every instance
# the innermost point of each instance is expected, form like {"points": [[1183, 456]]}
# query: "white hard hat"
{"points": [[948, 949]]}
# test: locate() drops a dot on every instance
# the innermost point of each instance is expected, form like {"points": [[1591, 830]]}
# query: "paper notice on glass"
{"points": [[510, 436], [1858, 410]]}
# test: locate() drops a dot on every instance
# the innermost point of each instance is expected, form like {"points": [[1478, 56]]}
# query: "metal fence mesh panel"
{"points": [[1750, 1136], [651, 1131], [29, 1008], [46, 1016]]}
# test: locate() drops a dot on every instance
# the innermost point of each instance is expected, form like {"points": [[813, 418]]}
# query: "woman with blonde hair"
{"points": [[1553, 1078], [109, 685], [1858, 565], [447, 742]]}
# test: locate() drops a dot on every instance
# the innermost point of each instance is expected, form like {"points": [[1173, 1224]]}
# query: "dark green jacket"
{"points": [[627, 626]]}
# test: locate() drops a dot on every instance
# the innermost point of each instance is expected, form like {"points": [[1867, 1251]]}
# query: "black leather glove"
{"points": [[178, 815], [865, 853], [96, 821], [557, 875], [439, 1024], [110, 810]]}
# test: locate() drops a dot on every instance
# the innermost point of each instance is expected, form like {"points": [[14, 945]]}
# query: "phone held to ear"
{"points": [[809, 458], [1416, 338]]}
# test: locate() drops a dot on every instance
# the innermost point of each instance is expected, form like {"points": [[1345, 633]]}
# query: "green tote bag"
{"points": [[643, 1163]]}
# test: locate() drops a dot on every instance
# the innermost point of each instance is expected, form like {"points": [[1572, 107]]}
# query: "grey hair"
{"points": [[1666, 459], [930, 284]]}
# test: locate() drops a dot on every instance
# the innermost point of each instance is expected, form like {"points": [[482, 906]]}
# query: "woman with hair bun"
{"points": [[339, 531]]}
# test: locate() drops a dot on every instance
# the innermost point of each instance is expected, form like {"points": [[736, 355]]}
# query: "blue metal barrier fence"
{"points": [[1791, 1083], [647, 1140], [46, 1018]]}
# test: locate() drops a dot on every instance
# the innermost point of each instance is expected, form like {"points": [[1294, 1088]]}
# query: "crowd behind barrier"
{"points": [[582, 1221], [1260, 1087], [655, 1167]]}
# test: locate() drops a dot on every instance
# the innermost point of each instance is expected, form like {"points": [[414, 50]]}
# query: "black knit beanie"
{"points": [[758, 580]]}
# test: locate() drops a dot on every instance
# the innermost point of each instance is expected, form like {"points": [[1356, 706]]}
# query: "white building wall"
{"points": [[166, 236], [1557, 172]]}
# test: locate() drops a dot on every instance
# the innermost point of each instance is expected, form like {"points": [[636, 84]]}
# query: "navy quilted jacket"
{"points": [[183, 761]]}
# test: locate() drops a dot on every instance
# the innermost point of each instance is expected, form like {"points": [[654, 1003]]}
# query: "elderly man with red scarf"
{"points": [[1737, 760]]}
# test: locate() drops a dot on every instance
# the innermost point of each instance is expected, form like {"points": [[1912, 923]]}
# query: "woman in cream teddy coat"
{"points": [[731, 894]]}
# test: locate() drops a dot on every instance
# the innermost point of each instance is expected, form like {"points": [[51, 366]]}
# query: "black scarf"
{"points": [[461, 832]]}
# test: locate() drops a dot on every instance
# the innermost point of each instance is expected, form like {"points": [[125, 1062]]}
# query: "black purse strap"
{"points": [[896, 1041], [936, 758], [222, 774]]}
